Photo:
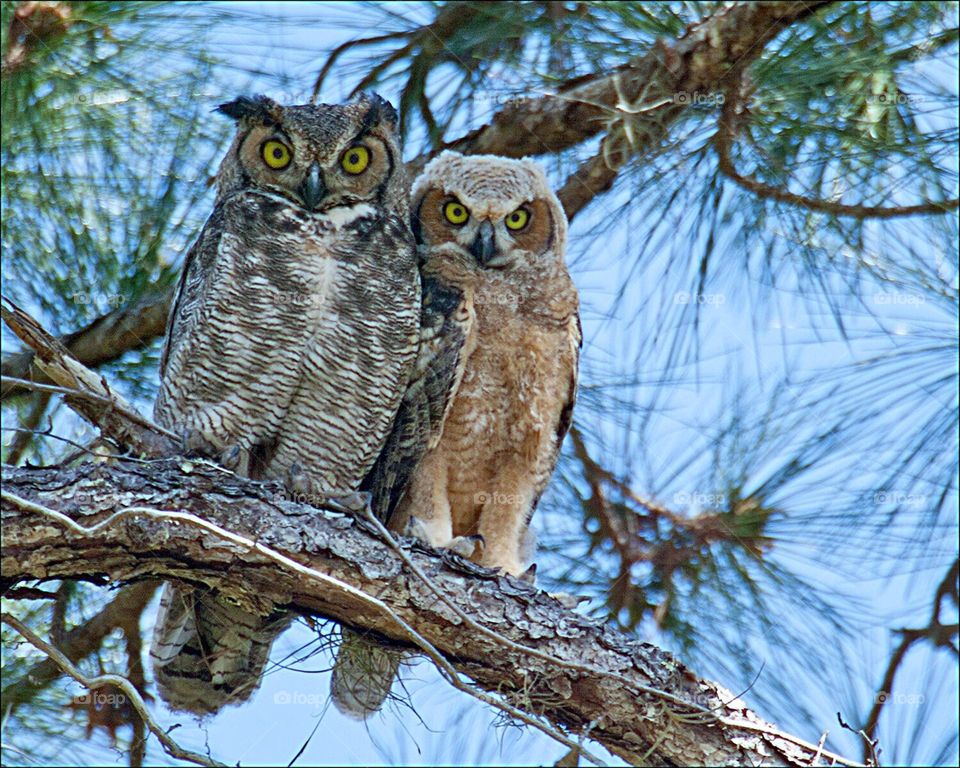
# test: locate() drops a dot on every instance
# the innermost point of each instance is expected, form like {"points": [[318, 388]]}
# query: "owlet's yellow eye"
{"points": [[276, 154], [355, 160], [518, 219], [456, 213]]}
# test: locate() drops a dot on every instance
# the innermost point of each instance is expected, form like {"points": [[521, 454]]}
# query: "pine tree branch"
{"points": [[140, 542], [102, 341], [639, 101], [940, 635], [113, 681], [81, 641], [723, 142], [698, 62]]}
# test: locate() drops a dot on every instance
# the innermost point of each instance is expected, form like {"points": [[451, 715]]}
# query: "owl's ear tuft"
{"points": [[259, 109], [379, 110]]}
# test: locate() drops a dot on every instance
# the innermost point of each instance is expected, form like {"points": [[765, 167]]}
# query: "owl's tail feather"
{"points": [[208, 652], [363, 674]]}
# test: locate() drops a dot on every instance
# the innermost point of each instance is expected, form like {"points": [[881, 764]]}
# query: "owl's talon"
{"points": [[355, 501], [230, 456], [298, 483], [567, 600], [530, 575], [415, 529], [195, 444], [304, 489], [236, 459], [467, 546]]}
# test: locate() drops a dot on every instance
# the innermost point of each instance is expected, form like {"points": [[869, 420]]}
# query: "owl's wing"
{"points": [[566, 414], [194, 278], [566, 409], [446, 319]]}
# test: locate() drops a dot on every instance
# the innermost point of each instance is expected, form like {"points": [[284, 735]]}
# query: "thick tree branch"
{"points": [[698, 62], [102, 341], [89, 394], [583, 692]]}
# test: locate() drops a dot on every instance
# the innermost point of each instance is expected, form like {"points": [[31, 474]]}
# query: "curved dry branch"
{"points": [[115, 681], [87, 393], [102, 341], [723, 142]]}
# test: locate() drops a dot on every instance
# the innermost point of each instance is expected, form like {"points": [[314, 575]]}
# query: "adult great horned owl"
{"points": [[500, 347], [290, 343]]}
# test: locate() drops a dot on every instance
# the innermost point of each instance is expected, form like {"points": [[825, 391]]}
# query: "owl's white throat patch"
{"points": [[343, 215]]}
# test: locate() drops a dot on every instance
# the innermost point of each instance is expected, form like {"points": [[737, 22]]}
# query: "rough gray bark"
{"points": [[610, 693]]}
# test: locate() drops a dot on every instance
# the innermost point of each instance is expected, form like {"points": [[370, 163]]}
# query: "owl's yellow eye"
{"points": [[518, 219], [355, 160], [456, 213], [276, 154]]}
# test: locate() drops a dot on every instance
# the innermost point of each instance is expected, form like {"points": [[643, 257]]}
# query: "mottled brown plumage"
{"points": [[504, 349], [290, 343], [501, 436]]}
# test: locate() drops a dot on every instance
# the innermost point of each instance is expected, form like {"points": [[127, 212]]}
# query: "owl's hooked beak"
{"points": [[313, 190], [484, 246]]}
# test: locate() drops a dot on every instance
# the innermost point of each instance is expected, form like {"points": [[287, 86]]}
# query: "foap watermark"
{"points": [[299, 699], [101, 698], [898, 98], [697, 499], [499, 298], [906, 699], [899, 299], [695, 99], [899, 499], [503, 98], [499, 499], [98, 299], [704, 299]]}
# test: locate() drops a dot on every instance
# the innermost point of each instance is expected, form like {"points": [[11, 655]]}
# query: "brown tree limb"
{"points": [[102, 341], [698, 62], [22, 439], [632, 722], [723, 142], [941, 635]]}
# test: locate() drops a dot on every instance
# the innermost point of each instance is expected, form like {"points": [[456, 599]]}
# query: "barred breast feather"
{"points": [[293, 336]]}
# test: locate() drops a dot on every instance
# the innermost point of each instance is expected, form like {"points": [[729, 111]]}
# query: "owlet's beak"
{"points": [[313, 190], [484, 246]]}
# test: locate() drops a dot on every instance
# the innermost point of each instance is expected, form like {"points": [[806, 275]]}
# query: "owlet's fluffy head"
{"points": [[317, 156], [492, 212]]}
